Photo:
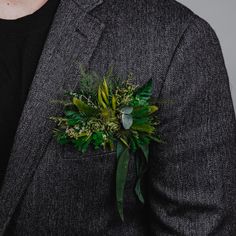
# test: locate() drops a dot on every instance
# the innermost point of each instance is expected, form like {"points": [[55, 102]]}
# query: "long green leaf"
{"points": [[121, 175], [145, 150], [141, 167], [119, 149], [138, 190]]}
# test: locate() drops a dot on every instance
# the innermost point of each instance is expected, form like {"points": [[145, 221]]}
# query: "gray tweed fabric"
{"points": [[190, 187]]}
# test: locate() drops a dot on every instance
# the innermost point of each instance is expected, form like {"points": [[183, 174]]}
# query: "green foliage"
{"points": [[110, 112], [98, 139], [88, 82], [82, 107], [143, 94], [61, 136], [121, 174]]}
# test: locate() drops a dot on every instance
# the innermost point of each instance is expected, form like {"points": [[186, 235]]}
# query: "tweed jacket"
{"points": [[190, 185]]}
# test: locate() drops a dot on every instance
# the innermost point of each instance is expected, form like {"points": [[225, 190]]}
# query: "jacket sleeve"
{"points": [[192, 177]]}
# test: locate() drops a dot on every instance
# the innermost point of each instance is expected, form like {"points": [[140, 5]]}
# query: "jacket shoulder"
{"points": [[165, 12]]}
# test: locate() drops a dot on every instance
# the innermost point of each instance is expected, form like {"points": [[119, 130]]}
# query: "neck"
{"points": [[14, 9]]}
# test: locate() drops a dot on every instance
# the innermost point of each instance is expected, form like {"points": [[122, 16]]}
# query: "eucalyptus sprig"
{"points": [[110, 113]]}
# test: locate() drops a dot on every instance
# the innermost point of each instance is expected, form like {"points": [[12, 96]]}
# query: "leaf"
{"points": [[127, 110], [141, 121], [109, 73], [106, 90], [156, 139], [121, 175], [147, 128], [88, 83], [69, 113], [73, 117], [111, 144], [133, 146], [143, 94], [98, 139], [83, 107], [141, 167], [141, 111], [72, 122], [124, 142], [127, 121], [152, 109], [78, 143], [119, 149], [100, 99], [138, 190], [145, 150], [60, 136], [105, 112], [86, 144], [104, 96], [113, 101]]}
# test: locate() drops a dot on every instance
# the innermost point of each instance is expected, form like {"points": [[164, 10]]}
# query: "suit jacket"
{"points": [[190, 186]]}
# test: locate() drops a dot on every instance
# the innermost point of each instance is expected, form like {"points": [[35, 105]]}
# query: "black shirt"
{"points": [[21, 44]]}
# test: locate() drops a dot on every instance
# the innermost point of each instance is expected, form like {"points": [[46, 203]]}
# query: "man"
{"points": [[48, 189]]}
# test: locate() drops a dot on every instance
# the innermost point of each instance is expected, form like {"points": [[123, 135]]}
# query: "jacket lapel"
{"points": [[72, 39]]}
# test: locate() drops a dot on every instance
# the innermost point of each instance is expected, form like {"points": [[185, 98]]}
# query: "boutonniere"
{"points": [[111, 113]]}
